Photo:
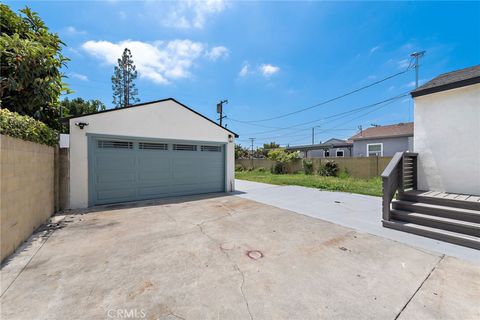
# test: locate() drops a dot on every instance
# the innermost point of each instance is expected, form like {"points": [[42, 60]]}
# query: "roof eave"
{"points": [[384, 137], [150, 102], [454, 85]]}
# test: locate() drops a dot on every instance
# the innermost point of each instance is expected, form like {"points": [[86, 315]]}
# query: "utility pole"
{"points": [[313, 134], [417, 56], [251, 153], [220, 110]]}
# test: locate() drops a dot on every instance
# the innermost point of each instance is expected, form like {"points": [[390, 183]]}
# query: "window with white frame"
{"points": [[375, 149], [339, 153], [326, 153]]}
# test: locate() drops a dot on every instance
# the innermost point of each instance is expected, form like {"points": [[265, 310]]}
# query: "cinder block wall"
{"points": [[27, 190]]}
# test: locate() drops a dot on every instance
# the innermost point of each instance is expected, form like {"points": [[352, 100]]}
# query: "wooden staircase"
{"points": [[449, 217]]}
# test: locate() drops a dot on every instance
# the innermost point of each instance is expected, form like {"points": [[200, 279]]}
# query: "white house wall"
{"points": [[162, 120], [447, 139]]}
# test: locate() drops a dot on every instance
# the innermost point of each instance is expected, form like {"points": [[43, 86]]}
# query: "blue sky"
{"points": [[267, 58]]}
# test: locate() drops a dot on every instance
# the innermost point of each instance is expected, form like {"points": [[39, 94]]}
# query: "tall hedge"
{"points": [[26, 128]]}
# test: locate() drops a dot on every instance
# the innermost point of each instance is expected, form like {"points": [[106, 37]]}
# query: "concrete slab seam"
{"points": [[419, 287]]}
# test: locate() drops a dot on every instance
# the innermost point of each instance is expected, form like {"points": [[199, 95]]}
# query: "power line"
{"points": [[326, 101], [341, 115], [332, 128], [350, 120]]}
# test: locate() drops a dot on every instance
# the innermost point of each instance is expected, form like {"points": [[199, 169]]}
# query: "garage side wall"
{"points": [[162, 120], [447, 127]]}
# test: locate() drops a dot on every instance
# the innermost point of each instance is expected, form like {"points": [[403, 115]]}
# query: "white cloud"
{"points": [[72, 31], [158, 61], [265, 70], [217, 52], [268, 70], [78, 76], [191, 14], [244, 71], [372, 50]]}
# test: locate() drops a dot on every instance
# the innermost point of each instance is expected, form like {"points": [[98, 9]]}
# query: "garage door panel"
{"points": [[116, 195], [161, 176], [132, 170], [148, 160], [109, 177], [111, 161]]}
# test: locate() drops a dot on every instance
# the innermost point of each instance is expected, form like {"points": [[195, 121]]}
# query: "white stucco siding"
{"points": [[447, 139], [162, 120]]}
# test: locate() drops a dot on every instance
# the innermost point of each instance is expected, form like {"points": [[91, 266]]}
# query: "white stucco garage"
{"points": [[149, 150]]}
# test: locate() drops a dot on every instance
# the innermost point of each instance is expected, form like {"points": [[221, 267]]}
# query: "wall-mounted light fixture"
{"points": [[81, 125], [230, 138]]}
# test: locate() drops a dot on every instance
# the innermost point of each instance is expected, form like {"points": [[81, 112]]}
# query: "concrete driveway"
{"points": [[226, 257]]}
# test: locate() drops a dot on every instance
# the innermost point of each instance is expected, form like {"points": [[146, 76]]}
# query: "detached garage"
{"points": [[145, 151]]}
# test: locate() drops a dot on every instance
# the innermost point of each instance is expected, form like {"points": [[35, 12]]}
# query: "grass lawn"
{"points": [[371, 187]]}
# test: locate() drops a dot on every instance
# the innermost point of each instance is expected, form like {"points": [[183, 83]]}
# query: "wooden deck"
{"points": [[445, 195], [466, 201]]}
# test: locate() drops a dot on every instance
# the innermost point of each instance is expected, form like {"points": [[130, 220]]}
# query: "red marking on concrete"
{"points": [[255, 254]]}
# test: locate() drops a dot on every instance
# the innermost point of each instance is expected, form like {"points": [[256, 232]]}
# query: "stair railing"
{"points": [[400, 175]]}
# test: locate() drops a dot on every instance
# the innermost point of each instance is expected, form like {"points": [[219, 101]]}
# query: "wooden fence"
{"points": [[359, 167]]}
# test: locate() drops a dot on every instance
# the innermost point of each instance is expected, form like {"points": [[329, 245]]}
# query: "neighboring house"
{"points": [[149, 150], [383, 141], [447, 132], [330, 148]]}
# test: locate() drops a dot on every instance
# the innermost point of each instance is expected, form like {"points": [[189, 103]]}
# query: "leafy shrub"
{"points": [[279, 168], [239, 167], [280, 155], [344, 174], [26, 128], [282, 158], [307, 166], [328, 169]]}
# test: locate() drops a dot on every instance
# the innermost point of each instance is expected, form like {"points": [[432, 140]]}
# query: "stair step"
{"points": [[438, 210], [454, 225], [434, 233], [419, 196]]}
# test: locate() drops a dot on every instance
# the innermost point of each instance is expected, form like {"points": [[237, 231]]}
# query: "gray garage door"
{"points": [[128, 170]]}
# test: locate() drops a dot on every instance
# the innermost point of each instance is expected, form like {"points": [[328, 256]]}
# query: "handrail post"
{"points": [[414, 173], [385, 199], [401, 187]]}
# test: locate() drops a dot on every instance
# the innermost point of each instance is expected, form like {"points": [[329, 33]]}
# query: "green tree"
{"points": [[79, 106], [266, 148], [241, 152], [31, 59], [123, 86], [271, 145]]}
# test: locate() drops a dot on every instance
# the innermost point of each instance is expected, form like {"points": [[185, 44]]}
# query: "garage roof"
{"points": [[150, 102], [390, 131], [450, 80]]}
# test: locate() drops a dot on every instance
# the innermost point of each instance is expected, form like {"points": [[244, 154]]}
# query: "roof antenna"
{"points": [[361, 129], [417, 56]]}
